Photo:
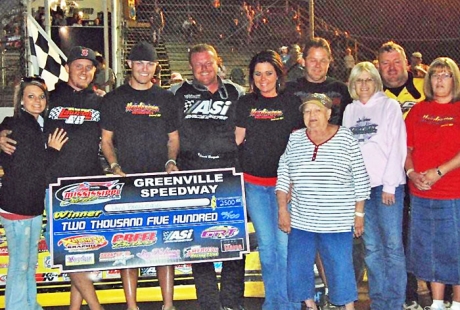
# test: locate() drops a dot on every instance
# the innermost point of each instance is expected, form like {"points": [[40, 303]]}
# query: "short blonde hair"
{"points": [[359, 68], [443, 63]]}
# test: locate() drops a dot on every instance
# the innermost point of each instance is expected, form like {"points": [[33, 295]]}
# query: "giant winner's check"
{"points": [[147, 220]]}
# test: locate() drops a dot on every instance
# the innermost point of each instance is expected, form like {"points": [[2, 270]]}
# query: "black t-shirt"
{"points": [[77, 112], [268, 123], [333, 88], [207, 131], [140, 121]]}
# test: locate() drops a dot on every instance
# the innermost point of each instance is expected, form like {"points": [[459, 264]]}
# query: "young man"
{"points": [[142, 120]]}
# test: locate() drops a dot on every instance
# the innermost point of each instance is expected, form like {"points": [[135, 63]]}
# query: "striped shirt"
{"points": [[327, 179]]}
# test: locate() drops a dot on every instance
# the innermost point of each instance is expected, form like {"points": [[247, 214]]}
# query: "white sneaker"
{"points": [[413, 306]]}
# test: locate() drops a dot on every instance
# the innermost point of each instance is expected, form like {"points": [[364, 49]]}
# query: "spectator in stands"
{"points": [[432, 165], [417, 67], [157, 22], [317, 56], [326, 204], [260, 153], [284, 53], [190, 29], [349, 62], [295, 63], [40, 16], [401, 85], [221, 69], [157, 76], [100, 81], [238, 76], [376, 122], [58, 18], [22, 192]]}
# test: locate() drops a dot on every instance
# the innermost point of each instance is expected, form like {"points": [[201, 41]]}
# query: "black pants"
{"points": [[232, 284]]}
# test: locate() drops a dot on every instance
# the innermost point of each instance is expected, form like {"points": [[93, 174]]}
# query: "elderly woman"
{"points": [[376, 122], [433, 159], [23, 190], [323, 168], [265, 119]]}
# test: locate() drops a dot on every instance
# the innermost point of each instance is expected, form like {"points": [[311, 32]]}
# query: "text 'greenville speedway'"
{"points": [[179, 185]]}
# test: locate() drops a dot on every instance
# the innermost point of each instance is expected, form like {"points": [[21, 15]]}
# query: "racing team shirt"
{"points": [[207, 132], [334, 89], [78, 113], [268, 123], [140, 121]]}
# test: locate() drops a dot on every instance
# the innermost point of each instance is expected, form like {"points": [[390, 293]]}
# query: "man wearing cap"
{"points": [[324, 167], [74, 107], [318, 56], [208, 141], [417, 67], [141, 119]]}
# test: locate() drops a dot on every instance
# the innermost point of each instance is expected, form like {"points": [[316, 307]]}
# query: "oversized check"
{"points": [[113, 222]]}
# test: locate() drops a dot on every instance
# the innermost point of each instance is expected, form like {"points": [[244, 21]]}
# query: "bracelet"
{"points": [[439, 172], [173, 161], [409, 171], [359, 214], [114, 165]]}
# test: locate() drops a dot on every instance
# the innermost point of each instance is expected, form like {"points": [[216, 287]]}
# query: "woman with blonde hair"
{"points": [[377, 123]]}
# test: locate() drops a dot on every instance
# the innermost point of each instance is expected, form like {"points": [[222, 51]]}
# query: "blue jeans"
{"points": [[22, 237], [263, 210], [335, 250], [385, 259]]}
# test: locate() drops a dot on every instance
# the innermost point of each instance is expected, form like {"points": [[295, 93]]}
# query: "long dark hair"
{"points": [[19, 93], [272, 58]]}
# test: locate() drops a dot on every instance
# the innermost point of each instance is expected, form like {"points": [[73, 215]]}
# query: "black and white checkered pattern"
{"points": [[45, 56]]}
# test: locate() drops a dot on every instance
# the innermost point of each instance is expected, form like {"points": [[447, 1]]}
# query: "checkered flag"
{"points": [[45, 56]]}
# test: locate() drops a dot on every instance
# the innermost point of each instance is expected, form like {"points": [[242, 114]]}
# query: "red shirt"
{"points": [[433, 131]]}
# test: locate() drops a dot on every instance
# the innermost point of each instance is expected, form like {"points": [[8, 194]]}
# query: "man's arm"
{"points": [[173, 151], [7, 145], [109, 152]]}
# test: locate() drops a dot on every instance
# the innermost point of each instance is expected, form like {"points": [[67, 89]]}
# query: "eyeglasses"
{"points": [[441, 76], [30, 79], [364, 81]]}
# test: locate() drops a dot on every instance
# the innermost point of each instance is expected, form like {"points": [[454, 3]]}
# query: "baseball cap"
{"points": [[417, 55], [320, 100], [143, 51], [81, 52]]}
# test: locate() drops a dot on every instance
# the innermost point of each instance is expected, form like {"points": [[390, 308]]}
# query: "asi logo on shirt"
{"points": [[207, 109]]}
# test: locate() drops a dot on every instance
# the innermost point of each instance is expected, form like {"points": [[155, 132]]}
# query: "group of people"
{"points": [[323, 162]]}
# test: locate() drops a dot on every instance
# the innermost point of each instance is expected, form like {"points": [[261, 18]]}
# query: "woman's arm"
{"points": [[284, 217], [418, 178], [240, 134]]}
